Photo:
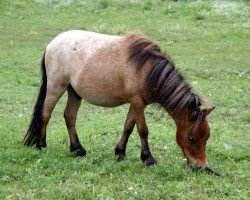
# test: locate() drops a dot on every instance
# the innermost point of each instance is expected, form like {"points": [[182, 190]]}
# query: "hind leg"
{"points": [[52, 97], [120, 149], [70, 114]]}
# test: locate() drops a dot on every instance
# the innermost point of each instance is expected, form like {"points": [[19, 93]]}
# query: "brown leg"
{"points": [[120, 149], [51, 99], [70, 114], [137, 106]]}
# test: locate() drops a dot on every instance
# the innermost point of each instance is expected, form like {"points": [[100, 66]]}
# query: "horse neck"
{"points": [[166, 86], [180, 116]]}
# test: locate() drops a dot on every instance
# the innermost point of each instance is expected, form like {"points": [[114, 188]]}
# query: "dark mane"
{"points": [[163, 84]]}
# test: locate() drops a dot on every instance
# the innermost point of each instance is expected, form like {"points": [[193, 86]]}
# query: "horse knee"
{"points": [[127, 131], [69, 118], [45, 117], [143, 132]]}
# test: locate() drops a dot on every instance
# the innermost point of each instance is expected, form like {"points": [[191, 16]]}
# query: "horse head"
{"points": [[192, 134]]}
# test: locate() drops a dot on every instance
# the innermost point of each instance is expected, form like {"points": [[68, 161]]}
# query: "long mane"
{"points": [[163, 84]]}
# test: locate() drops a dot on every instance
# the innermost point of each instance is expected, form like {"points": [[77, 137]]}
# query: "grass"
{"points": [[209, 42]]}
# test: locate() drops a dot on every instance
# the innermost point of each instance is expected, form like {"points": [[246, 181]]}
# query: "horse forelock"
{"points": [[163, 83]]}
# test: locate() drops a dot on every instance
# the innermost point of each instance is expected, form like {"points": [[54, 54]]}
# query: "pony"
{"points": [[109, 71]]}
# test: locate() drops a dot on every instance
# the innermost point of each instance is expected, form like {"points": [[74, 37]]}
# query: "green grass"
{"points": [[209, 42]]}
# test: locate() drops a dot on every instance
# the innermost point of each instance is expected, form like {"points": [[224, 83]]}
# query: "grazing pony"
{"points": [[110, 71]]}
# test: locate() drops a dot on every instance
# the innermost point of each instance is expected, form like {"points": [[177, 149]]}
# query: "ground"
{"points": [[209, 43]]}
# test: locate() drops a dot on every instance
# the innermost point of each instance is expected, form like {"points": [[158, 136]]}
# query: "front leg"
{"points": [[137, 106], [146, 155]]}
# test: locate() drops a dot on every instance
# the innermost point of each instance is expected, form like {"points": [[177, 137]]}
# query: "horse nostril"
{"points": [[200, 165], [204, 164], [192, 163]]}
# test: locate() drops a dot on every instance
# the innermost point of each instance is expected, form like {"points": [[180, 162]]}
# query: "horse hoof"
{"points": [[77, 150], [150, 161], [80, 152], [121, 157], [120, 153], [41, 145]]}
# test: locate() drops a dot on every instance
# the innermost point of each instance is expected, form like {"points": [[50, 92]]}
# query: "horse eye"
{"points": [[191, 140]]}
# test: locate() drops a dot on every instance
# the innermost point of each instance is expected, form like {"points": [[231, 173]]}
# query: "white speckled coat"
{"points": [[94, 64]]}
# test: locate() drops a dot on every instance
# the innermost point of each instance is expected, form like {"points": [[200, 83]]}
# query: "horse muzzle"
{"points": [[194, 164]]}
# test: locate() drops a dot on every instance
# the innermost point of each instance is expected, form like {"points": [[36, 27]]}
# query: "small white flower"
{"points": [[228, 147], [241, 74]]}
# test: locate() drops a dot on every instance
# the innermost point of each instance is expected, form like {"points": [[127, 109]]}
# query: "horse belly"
{"points": [[101, 99], [101, 86]]}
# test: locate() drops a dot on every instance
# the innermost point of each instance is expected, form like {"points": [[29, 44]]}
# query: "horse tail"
{"points": [[34, 132]]}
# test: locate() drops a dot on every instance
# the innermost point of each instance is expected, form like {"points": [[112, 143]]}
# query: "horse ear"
{"points": [[207, 111], [193, 115]]}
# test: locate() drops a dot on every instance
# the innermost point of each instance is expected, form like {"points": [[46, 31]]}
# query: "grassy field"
{"points": [[209, 42]]}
